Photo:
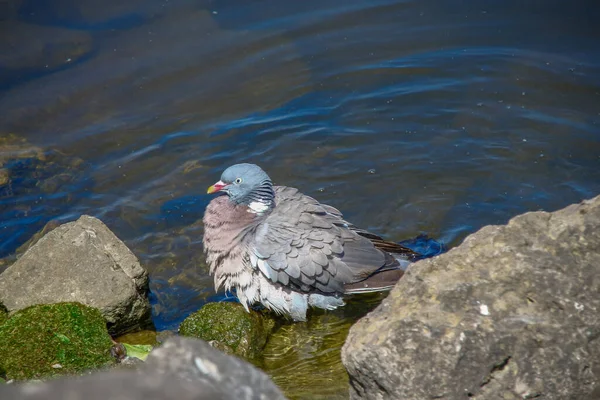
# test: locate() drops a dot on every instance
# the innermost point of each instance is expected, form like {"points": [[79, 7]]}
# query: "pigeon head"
{"points": [[246, 184]]}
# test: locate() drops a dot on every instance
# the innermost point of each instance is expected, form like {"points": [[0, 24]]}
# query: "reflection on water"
{"points": [[304, 356], [409, 116]]}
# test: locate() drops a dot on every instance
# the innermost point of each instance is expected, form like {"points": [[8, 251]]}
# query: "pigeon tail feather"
{"points": [[379, 281]]}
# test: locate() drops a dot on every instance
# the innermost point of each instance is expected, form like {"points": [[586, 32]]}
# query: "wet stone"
{"points": [[140, 337], [89, 264], [228, 327], [47, 340], [3, 314], [182, 369]]}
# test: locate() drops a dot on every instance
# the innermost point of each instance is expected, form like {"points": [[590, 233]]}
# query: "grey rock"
{"points": [[195, 360], [228, 327], [182, 369], [81, 261], [512, 313], [130, 385]]}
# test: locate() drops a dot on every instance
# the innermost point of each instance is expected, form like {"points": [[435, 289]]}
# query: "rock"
{"points": [[13, 147], [12, 151], [182, 369], [512, 313], [122, 384], [163, 336], [197, 361], [4, 262], [47, 340], [3, 314], [229, 327], [81, 261], [4, 178], [49, 227]]}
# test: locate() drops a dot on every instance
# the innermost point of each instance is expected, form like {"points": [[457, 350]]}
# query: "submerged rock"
{"points": [[140, 337], [34, 183], [47, 340], [229, 327], [15, 151], [182, 369], [4, 178], [303, 358], [81, 261], [512, 313]]}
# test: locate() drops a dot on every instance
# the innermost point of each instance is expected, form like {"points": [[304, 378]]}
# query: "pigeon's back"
{"points": [[309, 247]]}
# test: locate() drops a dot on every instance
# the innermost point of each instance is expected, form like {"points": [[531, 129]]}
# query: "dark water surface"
{"points": [[410, 116]]}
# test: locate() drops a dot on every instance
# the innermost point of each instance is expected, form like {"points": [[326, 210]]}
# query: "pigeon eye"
{"points": [[238, 181]]}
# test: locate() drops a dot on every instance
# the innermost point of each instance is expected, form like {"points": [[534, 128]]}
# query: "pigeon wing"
{"points": [[309, 247]]}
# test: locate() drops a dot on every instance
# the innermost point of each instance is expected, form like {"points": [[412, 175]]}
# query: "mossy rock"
{"points": [[230, 328], [57, 339], [3, 314]]}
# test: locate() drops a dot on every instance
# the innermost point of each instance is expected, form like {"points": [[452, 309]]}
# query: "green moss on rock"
{"points": [[228, 327], [3, 314], [46, 340]]}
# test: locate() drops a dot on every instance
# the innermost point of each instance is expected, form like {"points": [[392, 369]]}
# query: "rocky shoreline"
{"points": [[512, 313]]}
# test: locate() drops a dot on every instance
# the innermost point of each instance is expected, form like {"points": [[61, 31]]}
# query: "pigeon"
{"points": [[275, 246]]}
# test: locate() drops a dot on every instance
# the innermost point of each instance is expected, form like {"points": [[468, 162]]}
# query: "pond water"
{"points": [[434, 117]]}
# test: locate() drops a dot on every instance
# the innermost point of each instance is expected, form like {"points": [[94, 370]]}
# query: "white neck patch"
{"points": [[258, 207]]}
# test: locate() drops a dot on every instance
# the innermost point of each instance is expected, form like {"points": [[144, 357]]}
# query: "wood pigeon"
{"points": [[285, 250]]}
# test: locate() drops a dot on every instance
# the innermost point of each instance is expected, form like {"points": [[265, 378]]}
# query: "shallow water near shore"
{"points": [[411, 117]]}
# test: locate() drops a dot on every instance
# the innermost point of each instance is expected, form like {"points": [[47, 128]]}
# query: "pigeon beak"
{"points": [[216, 187]]}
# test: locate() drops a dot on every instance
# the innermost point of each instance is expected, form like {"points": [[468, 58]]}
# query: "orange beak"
{"points": [[216, 187]]}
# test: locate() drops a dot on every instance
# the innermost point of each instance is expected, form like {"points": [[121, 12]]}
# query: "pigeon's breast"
{"points": [[225, 227]]}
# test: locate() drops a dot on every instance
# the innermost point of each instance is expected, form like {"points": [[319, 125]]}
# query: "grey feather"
{"points": [[319, 258], [266, 269], [293, 267]]}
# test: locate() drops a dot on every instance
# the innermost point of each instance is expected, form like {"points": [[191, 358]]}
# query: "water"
{"points": [[434, 117]]}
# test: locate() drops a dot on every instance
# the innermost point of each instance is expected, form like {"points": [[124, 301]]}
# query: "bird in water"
{"points": [[285, 250]]}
